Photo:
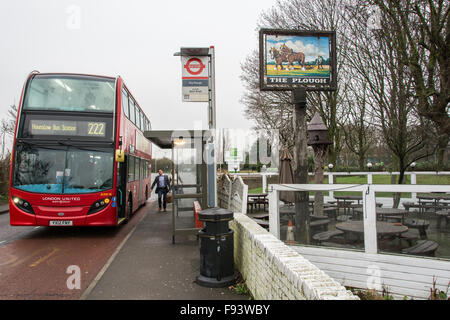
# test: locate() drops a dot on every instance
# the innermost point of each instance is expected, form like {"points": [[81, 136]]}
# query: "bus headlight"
{"points": [[98, 205], [23, 205]]}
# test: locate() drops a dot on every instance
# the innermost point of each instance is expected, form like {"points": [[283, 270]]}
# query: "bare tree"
{"points": [[7, 127], [274, 108], [420, 32], [358, 130], [269, 110], [390, 92]]}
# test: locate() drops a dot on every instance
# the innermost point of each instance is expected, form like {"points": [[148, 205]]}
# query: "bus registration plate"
{"points": [[61, 223]]}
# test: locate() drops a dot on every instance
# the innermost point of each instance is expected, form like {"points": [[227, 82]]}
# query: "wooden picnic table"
{"points": [[442, 214], [346, 201], [386, 212], [383, 228], [257, 195], [434, 198], [348, 198], [257, 199]]}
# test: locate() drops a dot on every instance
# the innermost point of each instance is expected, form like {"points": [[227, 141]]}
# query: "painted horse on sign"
{"points": [[286, 54]]}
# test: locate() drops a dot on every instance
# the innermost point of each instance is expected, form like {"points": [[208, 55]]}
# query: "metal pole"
{"points": [[212, 126], [174, 204], [301, 165], [212, 84]]}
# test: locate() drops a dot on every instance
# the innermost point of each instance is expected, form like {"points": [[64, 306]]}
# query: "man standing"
{"points": [[162, 187]]}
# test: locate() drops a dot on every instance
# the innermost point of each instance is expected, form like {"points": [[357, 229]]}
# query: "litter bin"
{"points": [[216, 249]]}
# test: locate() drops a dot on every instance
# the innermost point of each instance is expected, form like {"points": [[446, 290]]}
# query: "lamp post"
{"points": [[331, 178], [413, 181], [369, 175]]}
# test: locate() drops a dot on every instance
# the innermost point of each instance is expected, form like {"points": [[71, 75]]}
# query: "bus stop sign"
{"points": [[195, 78]]}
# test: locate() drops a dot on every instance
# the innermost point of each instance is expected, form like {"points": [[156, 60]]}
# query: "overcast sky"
{"points": [[135, 39]]}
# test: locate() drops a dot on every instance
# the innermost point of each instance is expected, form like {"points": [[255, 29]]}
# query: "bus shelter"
{"points": [[189, 175]]}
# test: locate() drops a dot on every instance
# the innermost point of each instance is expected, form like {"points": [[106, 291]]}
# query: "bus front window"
{"points": [[70, 93], [62, 171]]}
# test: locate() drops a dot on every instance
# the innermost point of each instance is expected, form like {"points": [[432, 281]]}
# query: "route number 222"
{"points": [[96, 128]]}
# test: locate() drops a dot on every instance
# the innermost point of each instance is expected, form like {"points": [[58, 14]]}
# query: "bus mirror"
{"points": [[120, 155]]}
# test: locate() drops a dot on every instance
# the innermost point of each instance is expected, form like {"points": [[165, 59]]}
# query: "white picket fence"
{"points": [[369, 178], [232, 195]]}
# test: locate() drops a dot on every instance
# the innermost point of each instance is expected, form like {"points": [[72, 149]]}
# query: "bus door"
{"points": [[122, 175], [139, 177]]}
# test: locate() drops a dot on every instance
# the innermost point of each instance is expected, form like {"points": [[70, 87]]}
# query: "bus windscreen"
{"points": [[62, 170], [70, 93]]}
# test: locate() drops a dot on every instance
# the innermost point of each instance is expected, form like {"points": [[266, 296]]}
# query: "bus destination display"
{"points": [[67, 128]]}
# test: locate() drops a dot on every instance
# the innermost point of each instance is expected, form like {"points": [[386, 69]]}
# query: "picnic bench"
{"points": [[422, 248], [420, 224], [326, 235], [408, 205], [256, 200], [409, 236], [442, 214], [323, 223], [435, 201], [344, 217], [331, 211], [317, 217]]}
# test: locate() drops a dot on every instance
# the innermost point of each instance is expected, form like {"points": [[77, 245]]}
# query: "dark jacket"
{"points": [[166, 181]]}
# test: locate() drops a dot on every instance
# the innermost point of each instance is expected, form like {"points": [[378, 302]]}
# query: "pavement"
{"points": [[149, 266], [4, 208], [145, 265]]}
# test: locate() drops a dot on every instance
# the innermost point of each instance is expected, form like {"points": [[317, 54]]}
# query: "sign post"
{"points": [[298, 61], [198, 85]]}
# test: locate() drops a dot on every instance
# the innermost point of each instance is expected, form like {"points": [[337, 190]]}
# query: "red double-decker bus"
{"points": [[79, 155]]}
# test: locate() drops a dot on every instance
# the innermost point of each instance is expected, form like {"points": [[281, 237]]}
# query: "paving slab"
{"points": [[4, 208], [149, 267]]}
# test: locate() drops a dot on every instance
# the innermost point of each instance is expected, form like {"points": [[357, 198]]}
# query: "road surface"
{"points": [[57, 262]]}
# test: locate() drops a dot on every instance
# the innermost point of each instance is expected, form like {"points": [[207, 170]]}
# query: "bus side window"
{"points": [[130, 168], [138, 117], [136, 169], [132, 109], [126, 111], [145, 169], [142, 169]]}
